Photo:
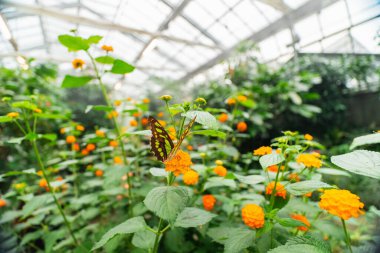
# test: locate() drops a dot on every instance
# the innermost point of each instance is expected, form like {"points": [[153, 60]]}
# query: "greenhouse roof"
{"points": [[181, 39]]}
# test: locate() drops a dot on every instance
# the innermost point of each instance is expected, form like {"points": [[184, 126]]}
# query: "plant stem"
{"points": [[156, 241], [272, 197], [171, 116], [117, 128], [51, 190], [348, 240]]}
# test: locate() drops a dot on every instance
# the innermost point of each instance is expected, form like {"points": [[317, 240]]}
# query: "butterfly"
{"points": [[161, 143]]}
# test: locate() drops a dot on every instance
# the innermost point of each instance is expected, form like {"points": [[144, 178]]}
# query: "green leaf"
{"points": [[289, 222], [99, 108], [303, 187], [75, 81], [20, 172], [144, 239], [127, 227], [362, 162], [335, 172], [271, 159], [50, 116], [94, 39], [239, 240], [157, 172], [365, 140], [218, 182], [219, 234], [204, 118], [24, 104], [73, 43], [298, 248], [121, 67], [4, 119], [251, 180], [142, 132], [16, 140], [167, 201], [35, 203], [249, 103], [50, 137], [105, 59], [213, 133], [31, 237], [301, 244], [193, 217]]}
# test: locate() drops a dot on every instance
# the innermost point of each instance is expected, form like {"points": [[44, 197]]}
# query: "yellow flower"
{"points": [[166, 98], [303, 219], [280, 189], [133, 123], [117, 102], [220, 171], [253, 216], [100, 133], [20, 186], [179, 164], [309, 160], [146, 100], [160, 114], [241, 98], [172, 133], [162, 122], [190, 177], [79, 128], [37, 110], [294, 177], [107, 48], [117, 160], [112, 114], [78, 63], [219, 162], [231, 101], [13, 115], [201, 101], [264, 150], [308, 137], [341, 203], [208, 202]]}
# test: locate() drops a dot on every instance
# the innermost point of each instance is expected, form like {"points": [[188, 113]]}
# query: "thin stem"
{"points": [[171, 116], [348, 240], [117, 128], [181, 128], [51, 190], [19, 126], [272, 197], [157, 239]]}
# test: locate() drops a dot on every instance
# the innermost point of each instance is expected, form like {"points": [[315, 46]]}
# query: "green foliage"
{"points": [[301, 188], [121, 67], [75, 81], [193, 217]]}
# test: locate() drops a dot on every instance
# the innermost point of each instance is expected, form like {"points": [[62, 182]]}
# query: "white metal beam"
{"points": [[101, 24], [292, 17]]}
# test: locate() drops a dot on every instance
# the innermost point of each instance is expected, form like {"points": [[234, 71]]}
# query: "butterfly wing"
{"points": [[160, 142], [181, 138]]}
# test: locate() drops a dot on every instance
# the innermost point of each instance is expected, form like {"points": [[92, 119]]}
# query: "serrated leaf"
{"points": [[167, 201], [303, 187], [73, 43], [239, 240], [50, 137], [127, 227], [335, 172], [158, 172], [121, 67], [98, 108], [365, 140], [193, 217], [271, 159], [204, 118], [16, 140], [299, 248], [251, 180], [144, 239], [105, 59], [75, 81], [218, 182], [288, 222], [4, 119], [35, 203], [362, 162], [24, 104], [94, 39], [50, 116], [213, 133]]}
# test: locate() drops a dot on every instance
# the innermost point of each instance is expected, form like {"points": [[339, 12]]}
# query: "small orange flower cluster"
{"points": [[242, 127], [253, 216], [2, 203], [308, 137], [280, 189], [231, 101], [179, 164], [107, 48], [133, 123], [113, 143], [274, 168], [99, 173], [78, 63], [13, 115], [341, 203], [80, 128], [208, 202], [309, 160], [220, 171], [223, 117], [303, 219], [117, 160], [100, 133], [264, 150], [294, 177], [190, 177], [112, 114], [144, 121], [70, 139], [117, 102]]}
